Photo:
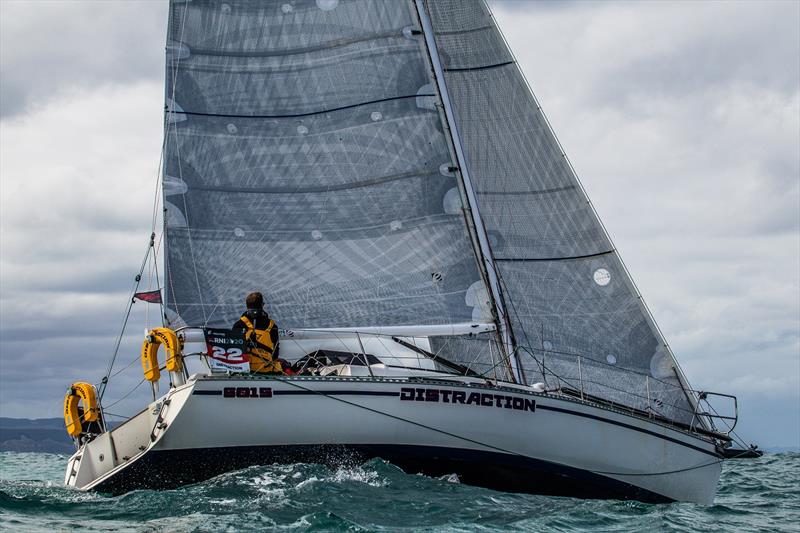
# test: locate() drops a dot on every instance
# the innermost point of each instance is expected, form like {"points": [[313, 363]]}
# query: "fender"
{"points": [[155, 338], [80, 392]]}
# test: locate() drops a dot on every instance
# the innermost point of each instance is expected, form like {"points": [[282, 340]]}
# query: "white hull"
{"points": [[507, 438]]}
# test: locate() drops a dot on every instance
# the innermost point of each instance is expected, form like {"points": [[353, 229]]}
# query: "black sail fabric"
{"points": [[306, 159], [568, 293]]}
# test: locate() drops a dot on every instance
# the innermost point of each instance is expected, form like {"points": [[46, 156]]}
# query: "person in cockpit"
{"points": [[261, 336]]}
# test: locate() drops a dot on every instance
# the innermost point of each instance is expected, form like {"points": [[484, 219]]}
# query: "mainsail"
{"points": [[308, 156]]}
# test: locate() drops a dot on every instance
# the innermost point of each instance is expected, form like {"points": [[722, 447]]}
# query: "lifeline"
{"points": [[475, 398]]}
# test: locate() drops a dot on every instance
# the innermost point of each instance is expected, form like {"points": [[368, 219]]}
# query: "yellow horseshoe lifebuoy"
{"points": [[80, 392], [155, 338]]}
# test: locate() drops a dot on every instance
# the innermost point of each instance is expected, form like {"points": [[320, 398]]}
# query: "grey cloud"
{"points": [[61, 361], [48, 48], [754, 42]]}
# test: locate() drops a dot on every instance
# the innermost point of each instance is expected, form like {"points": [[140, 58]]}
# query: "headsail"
{"points": [[568, 291], [306, 158]]}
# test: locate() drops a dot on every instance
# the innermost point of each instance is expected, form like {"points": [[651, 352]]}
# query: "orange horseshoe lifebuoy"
{"points": [[155, 338], [80, 392]]}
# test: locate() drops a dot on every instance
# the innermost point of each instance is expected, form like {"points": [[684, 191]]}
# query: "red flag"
{"points": [[153, 297]]}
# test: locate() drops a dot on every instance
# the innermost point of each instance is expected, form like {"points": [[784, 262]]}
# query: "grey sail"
{"points": [[306, 158], [568, 293]]}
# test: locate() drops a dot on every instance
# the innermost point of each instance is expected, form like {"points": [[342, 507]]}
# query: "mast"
{"points": [[483, 249]]}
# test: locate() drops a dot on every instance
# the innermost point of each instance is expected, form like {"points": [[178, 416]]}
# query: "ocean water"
{"points": [[754, 495]]}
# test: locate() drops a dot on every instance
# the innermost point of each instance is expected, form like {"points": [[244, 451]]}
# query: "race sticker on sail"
{"points": [[225, 349]]}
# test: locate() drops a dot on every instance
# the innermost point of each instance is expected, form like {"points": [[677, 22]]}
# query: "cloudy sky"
{"points": [[682, 120]]}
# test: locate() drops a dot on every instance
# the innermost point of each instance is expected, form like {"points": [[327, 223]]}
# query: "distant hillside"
{"points": [[37, 435]]}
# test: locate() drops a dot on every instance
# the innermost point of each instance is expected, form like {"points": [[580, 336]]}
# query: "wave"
{"points": [[378, 496]]}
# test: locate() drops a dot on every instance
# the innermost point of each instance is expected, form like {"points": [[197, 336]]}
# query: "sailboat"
{"points": [[449, 299]]}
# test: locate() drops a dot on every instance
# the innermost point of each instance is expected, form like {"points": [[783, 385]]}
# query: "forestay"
{"points": [[306, 158], [567, 291]]}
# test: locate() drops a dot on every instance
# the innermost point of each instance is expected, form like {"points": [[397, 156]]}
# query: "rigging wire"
{"points": [[158, 280], [115, 402], [131, 300], [126, 367]]}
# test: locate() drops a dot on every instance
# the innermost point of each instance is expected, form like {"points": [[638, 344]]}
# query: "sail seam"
{"points": [[461, 32], [338, 43], [295, 115], [531, 259], [531, 193], [300, 190], [464, 69]]}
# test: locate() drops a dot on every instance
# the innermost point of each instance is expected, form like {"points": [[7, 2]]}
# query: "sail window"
{"points": [[452, 202], [175, 111], [173, 185], [661, 364], [327, 5], [602, 277], [177, 50], [477, 297], [173, 215], [426, 98], [495, 239]]}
